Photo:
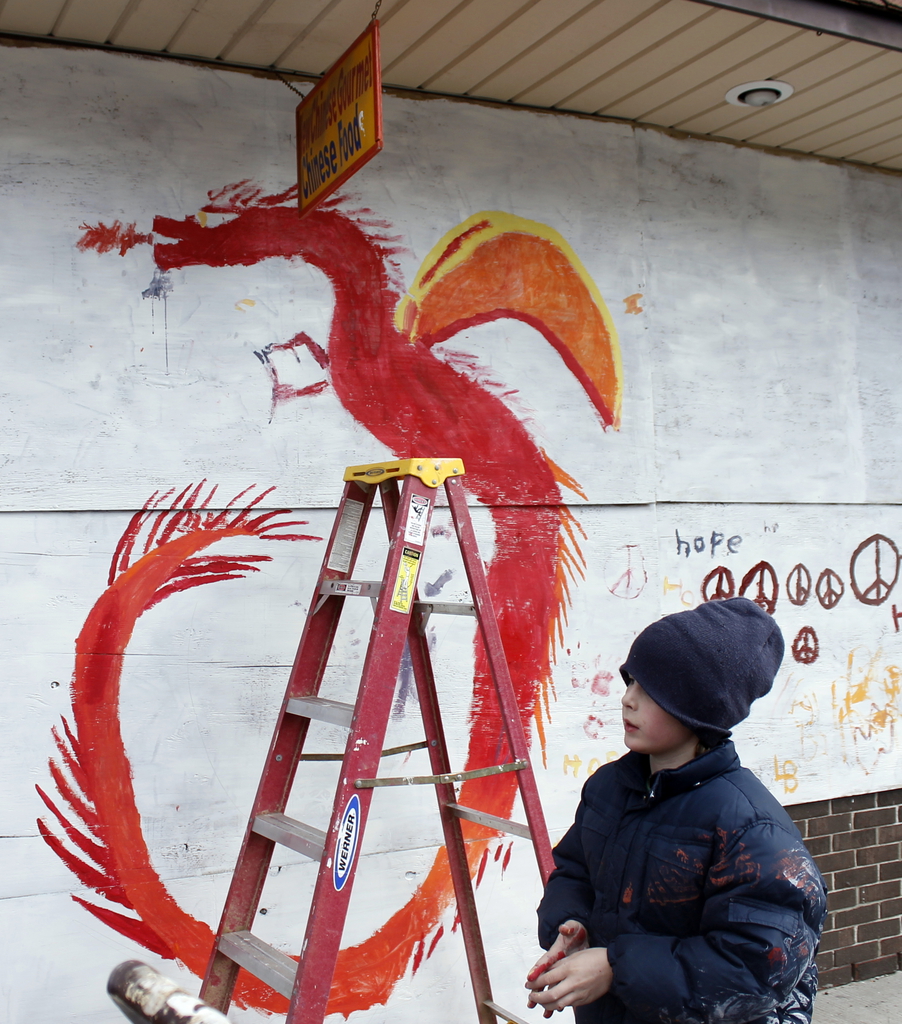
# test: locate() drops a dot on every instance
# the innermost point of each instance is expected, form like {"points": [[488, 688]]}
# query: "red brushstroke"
{"points": [[507, 857], [418, 956], [453, 247], [483, 863], [105, 239], [103, 823], [282, 392], [391, 382], [434, 943]]}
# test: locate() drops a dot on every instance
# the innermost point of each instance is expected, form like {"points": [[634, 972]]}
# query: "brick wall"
{"points": [[856, 841]]}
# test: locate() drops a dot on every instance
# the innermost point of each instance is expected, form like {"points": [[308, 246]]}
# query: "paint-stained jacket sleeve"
{"points": [[569, 894], [762, 912]]}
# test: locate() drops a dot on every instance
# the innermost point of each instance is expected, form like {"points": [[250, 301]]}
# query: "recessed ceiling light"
{"points": [[759, 94]]}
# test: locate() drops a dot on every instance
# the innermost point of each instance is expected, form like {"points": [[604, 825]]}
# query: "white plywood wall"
{"points": [[751, 310]]}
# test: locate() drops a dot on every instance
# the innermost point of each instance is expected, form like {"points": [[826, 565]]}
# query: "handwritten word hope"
{"points": [[573, 763], [699, 544]]}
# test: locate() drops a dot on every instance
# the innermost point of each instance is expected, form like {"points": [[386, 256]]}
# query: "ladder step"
{"points": [[429, 608], [436, 780], [372, 589], [303, 839], [445, 607], [499, 1011], [388, 752], [351, 588], [513, 828], [262, 960], [347, 588], [322, 710]]}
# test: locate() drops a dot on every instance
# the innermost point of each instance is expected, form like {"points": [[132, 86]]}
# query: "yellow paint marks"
{"points": [[787, 773], [632, 303], [202, 218], [573, 763], [866, 707], [244, 305], [687, 598]]}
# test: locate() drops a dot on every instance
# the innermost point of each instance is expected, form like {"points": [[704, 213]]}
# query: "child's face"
{"points": [[649, 729]]}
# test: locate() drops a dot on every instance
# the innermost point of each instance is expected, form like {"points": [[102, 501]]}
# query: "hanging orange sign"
{"points": [[339, 125]]}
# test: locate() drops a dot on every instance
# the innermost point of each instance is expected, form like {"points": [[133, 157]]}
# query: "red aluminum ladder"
{"points": [[400, 617]]}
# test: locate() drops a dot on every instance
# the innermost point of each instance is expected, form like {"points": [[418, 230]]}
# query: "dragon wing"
{"points": [[496, 265]]}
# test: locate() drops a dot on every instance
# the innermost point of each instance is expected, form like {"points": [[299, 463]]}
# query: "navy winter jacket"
{"points": [[708, 903]]}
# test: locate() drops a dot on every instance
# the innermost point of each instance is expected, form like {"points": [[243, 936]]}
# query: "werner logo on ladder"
{"points": [[399, 618]]}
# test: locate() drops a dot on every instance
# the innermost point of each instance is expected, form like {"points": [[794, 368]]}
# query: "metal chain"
{"points": [[285, 82]]}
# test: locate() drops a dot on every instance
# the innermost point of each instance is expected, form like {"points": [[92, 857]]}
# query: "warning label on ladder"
{"points": [[405, 584], [417, 514], [343, 548]]}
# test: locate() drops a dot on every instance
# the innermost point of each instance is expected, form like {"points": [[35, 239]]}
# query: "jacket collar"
{"points": [[672, 781]]}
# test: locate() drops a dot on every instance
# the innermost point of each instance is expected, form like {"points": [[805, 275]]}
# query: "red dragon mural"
{"points": [[381, 365]]}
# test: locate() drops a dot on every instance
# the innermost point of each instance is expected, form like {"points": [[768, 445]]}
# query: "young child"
{"points": [[683, 892]]}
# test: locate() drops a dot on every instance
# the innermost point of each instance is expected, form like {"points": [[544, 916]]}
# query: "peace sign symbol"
{"points": [[875, 553], [805, 647], [798, 584], [625, 573], [765, 578], [830, 588], [721, 579]]}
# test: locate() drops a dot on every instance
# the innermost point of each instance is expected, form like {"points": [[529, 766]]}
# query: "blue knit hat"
{"points": [[707, 665]]}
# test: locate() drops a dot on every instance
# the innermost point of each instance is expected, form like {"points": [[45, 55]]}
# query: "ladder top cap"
{"points": [[433, 472]]}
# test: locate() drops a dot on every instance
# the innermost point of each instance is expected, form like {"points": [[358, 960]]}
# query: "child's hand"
{"points": [[571, 938], [572, 980]]}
